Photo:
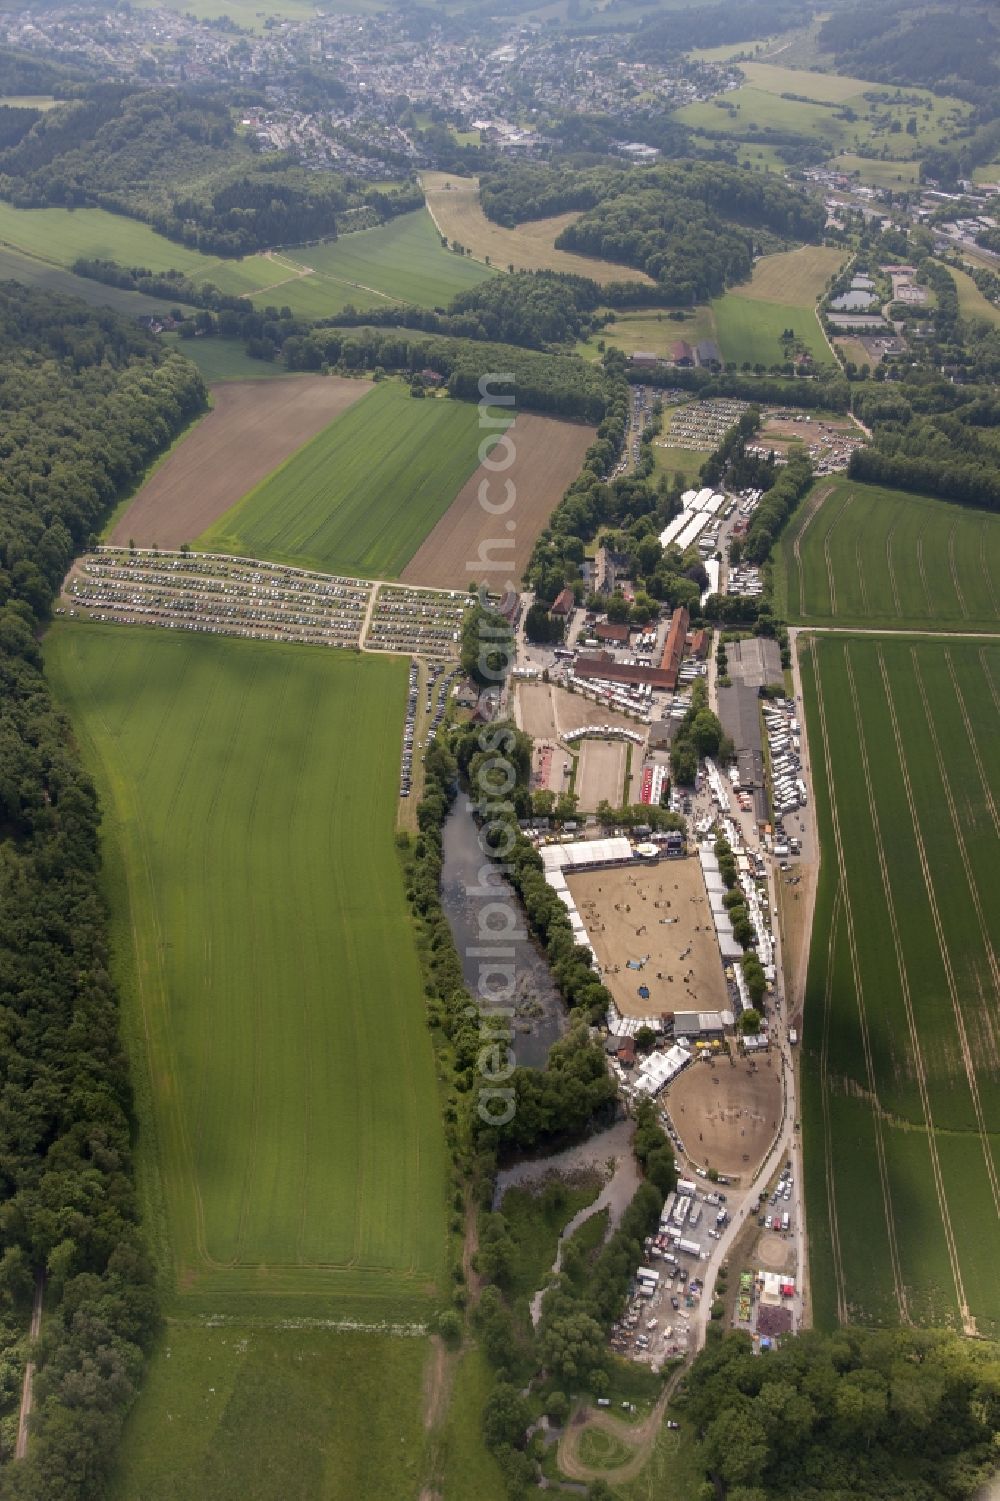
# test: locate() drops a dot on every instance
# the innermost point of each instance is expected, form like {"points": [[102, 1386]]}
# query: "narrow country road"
{"points": [[21, 1447]]}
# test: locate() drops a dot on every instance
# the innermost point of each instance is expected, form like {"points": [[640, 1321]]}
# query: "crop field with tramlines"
{"points": [[901, 1050], [859, 556], [362, 496], [291, 1146]]}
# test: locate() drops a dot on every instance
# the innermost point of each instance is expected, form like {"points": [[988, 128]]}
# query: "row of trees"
{"points": [[89, 400]]}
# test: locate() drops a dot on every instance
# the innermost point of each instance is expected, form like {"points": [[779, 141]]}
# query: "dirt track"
{"points": [[728, 1113], [547, 455], [253, 427]]}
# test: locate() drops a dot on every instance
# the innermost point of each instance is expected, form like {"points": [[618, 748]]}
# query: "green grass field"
{"points": [[896, 175], [362, 496], [226, 359], [402, 260], [239, 1412], [763, 103], [971, 302], [291, 1152], [901, 1062], [750, 329], [885, 559], [16, 266]]}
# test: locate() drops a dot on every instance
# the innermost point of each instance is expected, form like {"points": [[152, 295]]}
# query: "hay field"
{"points": [[794, 278], [253, 427], [659, 913], [362, 496], [548, 455], [878, 174], [864, 556], [292, 1159], [15, 265], [530, 247], [901, 1049]]}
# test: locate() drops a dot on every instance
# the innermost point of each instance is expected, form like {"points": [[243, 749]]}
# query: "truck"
{"points": [[689, 1247], [686, 1186], [784, 1222], [695, 1215]]}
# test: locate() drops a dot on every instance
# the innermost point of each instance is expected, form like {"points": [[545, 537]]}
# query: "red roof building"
{"points": [[607, 630], [604, 666], [673, 650], [564, 603]]}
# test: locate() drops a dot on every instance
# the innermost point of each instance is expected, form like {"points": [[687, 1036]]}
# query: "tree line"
{"points": [[89, 401]]}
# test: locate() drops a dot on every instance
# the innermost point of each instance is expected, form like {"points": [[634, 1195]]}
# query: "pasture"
{"points": [[241, 1412], [901, 1049], [363, 495], [291, 1155], [253, 427], [856, 555], [60, 235], [547, 455], [971, 302], [897, 175], [225, 359], [846, 114], [454, 206]]}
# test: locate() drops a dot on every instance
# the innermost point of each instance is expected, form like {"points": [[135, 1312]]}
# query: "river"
{"points": [[540, 1016]]}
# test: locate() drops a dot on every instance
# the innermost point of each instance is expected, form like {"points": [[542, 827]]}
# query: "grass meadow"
{"points": [[226, 359], [400, 261], [291, 1152], [883, 558], [813, 104], [362, 496], [901, 1050], [971, 302], [877, 174], [17, 266], [240, 1412]]}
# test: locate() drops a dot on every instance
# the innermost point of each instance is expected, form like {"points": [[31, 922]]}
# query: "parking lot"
{"points": [[657, 1323]]}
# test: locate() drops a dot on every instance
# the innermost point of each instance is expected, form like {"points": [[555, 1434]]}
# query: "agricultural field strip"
{"points": [[897, 1278], [822, 569], [220, 594], [828, 1154], [915, 1047], [970, 1068]]}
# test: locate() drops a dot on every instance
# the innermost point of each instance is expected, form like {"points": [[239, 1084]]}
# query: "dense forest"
{"points": [[901, 1415], [176, 160], [88, 400], [691, 226], [952, 48]]}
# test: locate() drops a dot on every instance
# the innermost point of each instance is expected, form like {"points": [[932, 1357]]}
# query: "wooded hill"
{"points": [[692, 226], [176, 160]]}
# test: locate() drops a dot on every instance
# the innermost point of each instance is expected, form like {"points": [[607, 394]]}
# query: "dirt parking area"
{"points": [[547, 456], [254, 425], [658, 916], [600, 774], [727, 1111]]}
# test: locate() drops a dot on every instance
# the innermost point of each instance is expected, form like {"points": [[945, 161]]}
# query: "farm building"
{"points": [[563, 604], [607, 630], [604, 666], [673, 647], [645, 359], [681, 353], [707, 352]]}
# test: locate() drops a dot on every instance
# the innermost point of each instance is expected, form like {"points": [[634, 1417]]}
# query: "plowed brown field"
{"points": [[547, 455], [252, 428]]}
